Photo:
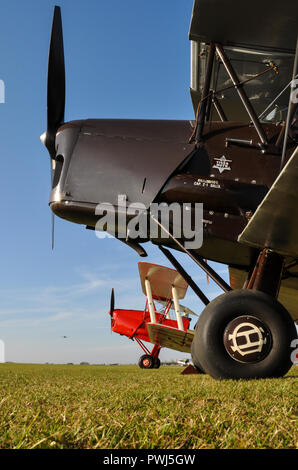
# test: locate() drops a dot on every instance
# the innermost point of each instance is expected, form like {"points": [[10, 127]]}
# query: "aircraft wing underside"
{"points": [[269, 24], [274, 225]]}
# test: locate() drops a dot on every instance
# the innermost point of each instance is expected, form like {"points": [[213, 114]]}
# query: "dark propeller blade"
{"points": [[55, 93], [112, 303], [56, 83], [112, 307]]}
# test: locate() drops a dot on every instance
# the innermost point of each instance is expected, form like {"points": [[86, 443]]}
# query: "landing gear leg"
{"points": [[267, 274], [155, 353]]}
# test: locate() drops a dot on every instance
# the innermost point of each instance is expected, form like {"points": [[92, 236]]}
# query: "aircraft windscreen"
{"points": [[261, 88]]}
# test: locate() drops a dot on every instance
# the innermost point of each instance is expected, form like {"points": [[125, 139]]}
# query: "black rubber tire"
{"points": [[197, 365], [208, 349], [146, 361], [156, 364]]}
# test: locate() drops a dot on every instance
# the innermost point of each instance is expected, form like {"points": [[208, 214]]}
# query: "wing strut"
{"points": [[209, 95], [203, 103], [197, 259], [185, 276], [150, 301], [177, 309], [246, 102]]}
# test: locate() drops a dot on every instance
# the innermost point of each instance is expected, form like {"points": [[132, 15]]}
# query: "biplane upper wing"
{"points": [[274, 225], [253, 34], [266, 24], [161, 280], [168, 337]]}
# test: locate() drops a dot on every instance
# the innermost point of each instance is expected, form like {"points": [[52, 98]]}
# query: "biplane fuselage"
{"points": [[133, 323], [229, 179]]}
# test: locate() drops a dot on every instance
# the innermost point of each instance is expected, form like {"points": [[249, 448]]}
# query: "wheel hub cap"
{"points": [[247, 339]]}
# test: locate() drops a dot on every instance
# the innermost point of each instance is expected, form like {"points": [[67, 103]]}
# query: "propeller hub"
{"points": [[43, 138]]}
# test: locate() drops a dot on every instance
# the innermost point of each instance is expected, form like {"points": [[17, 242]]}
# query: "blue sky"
{"points": [[123, 59]]}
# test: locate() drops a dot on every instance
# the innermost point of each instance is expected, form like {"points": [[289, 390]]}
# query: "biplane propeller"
{"points": [[55, 95], [112, 302], [238, 157], [112, 306]]}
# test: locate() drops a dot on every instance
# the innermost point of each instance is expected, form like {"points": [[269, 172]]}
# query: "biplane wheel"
{"points": [[156, 364], [197, 365], [146, 362], [244, 334]]}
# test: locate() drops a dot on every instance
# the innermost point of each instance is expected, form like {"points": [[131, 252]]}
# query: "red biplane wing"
{"points": [[161, 280], [168, 337]]}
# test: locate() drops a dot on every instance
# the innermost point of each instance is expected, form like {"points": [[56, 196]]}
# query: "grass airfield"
{"points": [[125, 407]]}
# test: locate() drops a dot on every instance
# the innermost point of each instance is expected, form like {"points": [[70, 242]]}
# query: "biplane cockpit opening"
{"points": [[238, 157]]}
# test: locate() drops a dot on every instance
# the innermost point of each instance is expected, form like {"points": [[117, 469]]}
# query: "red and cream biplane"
{"points": [[164, 286]]}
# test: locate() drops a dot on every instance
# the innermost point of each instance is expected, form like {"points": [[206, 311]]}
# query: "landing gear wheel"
{"points": [[156, 364], [197, 365], [244, 334], [146, 361]]}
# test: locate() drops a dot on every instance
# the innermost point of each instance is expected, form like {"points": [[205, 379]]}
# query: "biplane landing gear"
{"points": [[149, 362], [156, 363], [146, 361], [244, 334]]}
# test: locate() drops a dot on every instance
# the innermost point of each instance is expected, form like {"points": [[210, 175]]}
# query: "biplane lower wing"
{"points": [[168, 337], [274, 225]]}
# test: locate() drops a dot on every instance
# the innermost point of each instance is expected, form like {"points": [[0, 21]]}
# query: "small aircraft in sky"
{"points": [[164, 286], [238, 157]]}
